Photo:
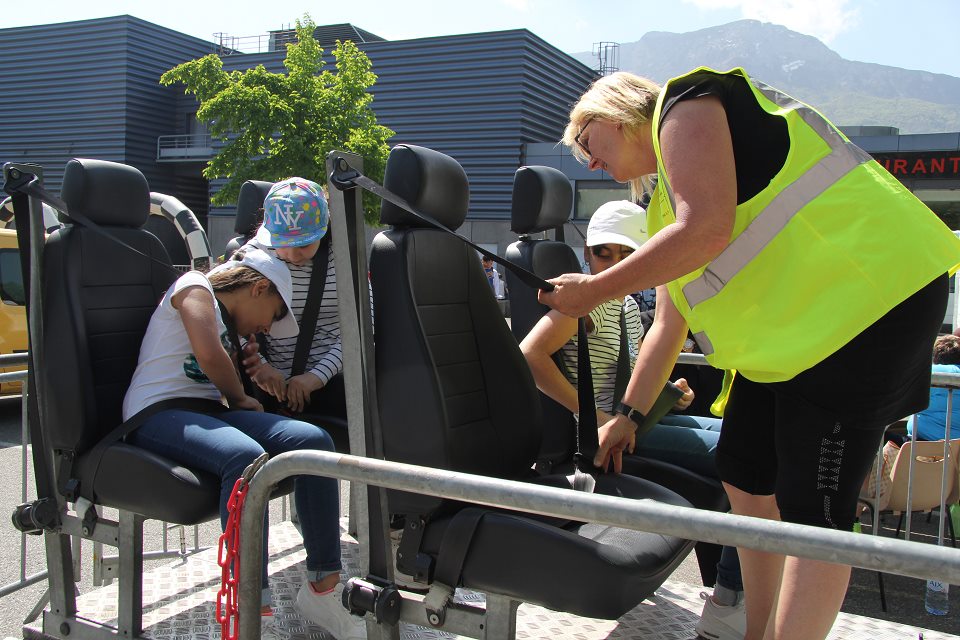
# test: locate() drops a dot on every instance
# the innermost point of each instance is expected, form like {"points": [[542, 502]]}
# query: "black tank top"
{"points": [[760, 140]]}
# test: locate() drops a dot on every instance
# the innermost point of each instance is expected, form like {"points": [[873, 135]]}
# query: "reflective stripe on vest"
{"points": [[844, 156]]}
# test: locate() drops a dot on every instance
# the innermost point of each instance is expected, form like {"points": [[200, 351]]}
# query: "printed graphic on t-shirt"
{"points": [[191, 369], [227, 343]]}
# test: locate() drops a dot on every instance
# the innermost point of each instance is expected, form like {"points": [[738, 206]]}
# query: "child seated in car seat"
{"points": [[615, 231], [189, 352]]}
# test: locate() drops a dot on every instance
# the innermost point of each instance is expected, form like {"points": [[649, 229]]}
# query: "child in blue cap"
{"points": [[295, 224]]}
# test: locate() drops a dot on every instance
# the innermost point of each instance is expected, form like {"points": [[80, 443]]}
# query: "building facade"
{"points": [[92, 90]]}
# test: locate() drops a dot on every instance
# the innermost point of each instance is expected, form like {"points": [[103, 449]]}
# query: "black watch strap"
{"points": [[626, 410]]}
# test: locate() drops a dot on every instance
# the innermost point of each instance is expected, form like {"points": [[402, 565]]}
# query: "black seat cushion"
{"points": [[143, 482], [591, 570]]}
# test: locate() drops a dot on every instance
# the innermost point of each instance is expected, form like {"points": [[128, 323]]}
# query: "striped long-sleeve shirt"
{"points": [[605, 348], [325, 359]]}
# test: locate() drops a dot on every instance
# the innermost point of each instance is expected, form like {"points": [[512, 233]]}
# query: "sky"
{"points": [[917, 34]]}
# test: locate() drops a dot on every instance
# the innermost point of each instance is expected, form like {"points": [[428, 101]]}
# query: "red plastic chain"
{"points": [[228, 557]]}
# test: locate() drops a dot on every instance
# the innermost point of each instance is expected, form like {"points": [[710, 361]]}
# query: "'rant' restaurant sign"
{"points": [[926, 164]]}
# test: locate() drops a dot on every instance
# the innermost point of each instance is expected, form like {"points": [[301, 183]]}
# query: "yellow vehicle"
{"points": [[13, 317]]}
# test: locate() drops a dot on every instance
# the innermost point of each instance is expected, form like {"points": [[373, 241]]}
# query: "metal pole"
{"points": [[827, 545], [948, 467]]}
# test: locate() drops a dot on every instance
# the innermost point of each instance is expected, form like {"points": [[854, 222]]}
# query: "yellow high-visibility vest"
{"points": [[825, 250]]}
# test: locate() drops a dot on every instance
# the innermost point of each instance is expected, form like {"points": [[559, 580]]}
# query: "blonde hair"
{"points": [[621, 98]]}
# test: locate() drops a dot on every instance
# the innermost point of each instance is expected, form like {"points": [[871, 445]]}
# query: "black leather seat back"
{"points": [[98, 299], [454, 389], [249, 213], [542, 198]]}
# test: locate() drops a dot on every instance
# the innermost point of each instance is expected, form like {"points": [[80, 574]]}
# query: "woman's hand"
{"points": [[616, 436], [687, 398], [571, 295], [271, 381]]}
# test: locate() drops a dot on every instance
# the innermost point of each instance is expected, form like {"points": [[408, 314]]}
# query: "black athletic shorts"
{"points": [[811, 440]]}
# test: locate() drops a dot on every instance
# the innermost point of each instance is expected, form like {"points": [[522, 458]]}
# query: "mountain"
{"points": [[849, 93]]}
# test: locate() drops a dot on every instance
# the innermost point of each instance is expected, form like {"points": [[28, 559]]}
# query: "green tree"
{"points": [[277, 125]]}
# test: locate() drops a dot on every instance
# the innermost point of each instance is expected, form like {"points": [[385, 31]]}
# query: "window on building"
{"points": [[590, 194]]}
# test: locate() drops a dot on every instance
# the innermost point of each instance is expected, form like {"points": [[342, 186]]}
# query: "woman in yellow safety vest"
{"points": [[796, 260]]}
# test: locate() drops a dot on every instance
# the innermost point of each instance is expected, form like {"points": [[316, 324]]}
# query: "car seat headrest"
{"points": [[250, 206], [433, 183], [542, 197], [108, 193]]}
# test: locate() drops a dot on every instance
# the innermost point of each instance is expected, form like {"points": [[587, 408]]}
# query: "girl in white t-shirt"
{"points": [[188, 353]]}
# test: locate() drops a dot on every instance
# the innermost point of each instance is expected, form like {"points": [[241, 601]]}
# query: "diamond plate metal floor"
{"points": [[179, 605]]}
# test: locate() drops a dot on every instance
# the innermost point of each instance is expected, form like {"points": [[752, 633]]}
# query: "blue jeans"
{"points": [[226, 443], [690, 442]]}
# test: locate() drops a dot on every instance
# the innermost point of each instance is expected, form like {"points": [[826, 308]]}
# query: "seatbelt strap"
{"points": [[345, 177], [34, 189], [198, 405], [623, 360], [588, 441], [21, 213], [311, 310], [245, 380], [453, 553]]}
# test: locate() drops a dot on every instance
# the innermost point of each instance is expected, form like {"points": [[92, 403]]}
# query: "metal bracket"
{"points": [[343, 175]]}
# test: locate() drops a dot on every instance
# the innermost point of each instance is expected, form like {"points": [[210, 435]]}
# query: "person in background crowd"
{"points": [[493, 277], [931, 423]]}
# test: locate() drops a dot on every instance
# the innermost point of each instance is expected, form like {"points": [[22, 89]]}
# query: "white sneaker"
{"points": [[718, 622], [266, 625], [328, 612]]}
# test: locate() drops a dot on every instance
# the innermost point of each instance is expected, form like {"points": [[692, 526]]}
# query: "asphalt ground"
{"points": [[904, 595]]}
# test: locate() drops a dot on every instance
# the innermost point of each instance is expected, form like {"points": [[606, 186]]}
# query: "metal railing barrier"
{"points": [[827, 545]]}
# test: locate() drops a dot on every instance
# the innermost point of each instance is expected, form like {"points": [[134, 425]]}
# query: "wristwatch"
{"points": [[631, 413]]}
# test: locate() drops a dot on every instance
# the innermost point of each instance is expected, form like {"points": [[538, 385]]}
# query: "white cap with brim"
{"points": [[618, 222], [278, 273]]}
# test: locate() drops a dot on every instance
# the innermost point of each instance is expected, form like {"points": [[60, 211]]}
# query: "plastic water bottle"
{"points": [[937, 598]]}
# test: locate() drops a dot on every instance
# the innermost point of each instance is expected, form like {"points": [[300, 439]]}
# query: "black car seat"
{"points": [[249, 214], [454, 392], [542, 199], [98, 299]]}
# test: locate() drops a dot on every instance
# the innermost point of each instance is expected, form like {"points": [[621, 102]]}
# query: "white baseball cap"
{"points": [[277, 272], [618, 222]]}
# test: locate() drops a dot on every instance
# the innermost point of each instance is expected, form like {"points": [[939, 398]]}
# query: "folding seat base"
{"points": [[590, 570]]}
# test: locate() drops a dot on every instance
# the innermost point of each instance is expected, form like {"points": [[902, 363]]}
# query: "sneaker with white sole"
{"points": [[718, 622], [266, 625], [327, 611]]}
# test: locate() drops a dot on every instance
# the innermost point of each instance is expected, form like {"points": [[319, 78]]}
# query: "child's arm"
{"points": [[196, 307]]}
